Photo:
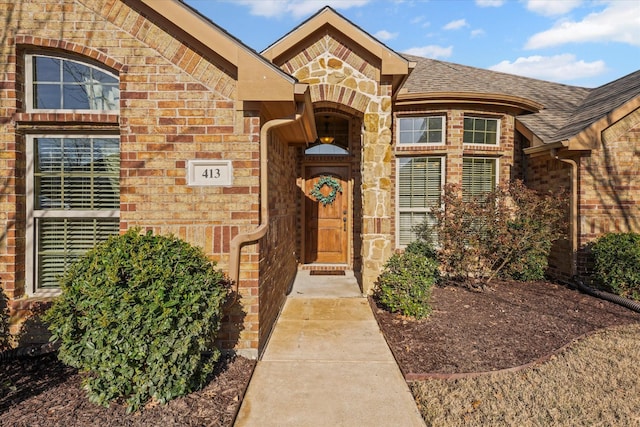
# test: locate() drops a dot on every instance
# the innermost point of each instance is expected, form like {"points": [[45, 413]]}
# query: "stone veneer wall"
{"points": [[338, 76], [610, 186], [175, 106]]}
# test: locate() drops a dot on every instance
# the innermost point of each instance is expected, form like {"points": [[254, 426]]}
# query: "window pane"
{"points": [[46, 69], [77, 86], [47, 96], [419, 189], [75, 97], [77, 173], [420, 130], [73, 72], [478, 176], [62, 241], [480, 131]]}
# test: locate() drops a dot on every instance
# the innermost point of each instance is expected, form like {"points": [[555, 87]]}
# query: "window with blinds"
{"points": [[75, 190], [478, 176], [479, 130], [421, 130], [419, 189]]}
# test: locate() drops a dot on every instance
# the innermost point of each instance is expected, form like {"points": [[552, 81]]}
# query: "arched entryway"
{"points": [[331, 206]]}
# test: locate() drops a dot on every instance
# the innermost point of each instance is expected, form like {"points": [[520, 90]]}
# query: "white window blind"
{"points": [[478, 176], [419, 190], [74, 184], [62, 241]]}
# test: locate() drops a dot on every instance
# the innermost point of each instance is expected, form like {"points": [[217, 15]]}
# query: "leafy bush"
{"points": [[138, 314], [406, 282], [617, 263], [5, 335], [508, 232]]}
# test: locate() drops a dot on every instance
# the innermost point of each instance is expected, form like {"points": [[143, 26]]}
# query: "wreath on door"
{"points": [[330, 182]]}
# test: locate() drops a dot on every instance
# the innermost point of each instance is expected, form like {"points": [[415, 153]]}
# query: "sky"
{"points": [[578, 42]]}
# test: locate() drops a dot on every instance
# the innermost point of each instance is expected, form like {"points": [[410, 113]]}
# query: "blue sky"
{"points": [[578, 42]]}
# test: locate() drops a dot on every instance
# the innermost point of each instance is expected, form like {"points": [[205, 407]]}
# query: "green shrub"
{"points": [[5, 335], [423, 247], [138, 314], [406, 282], [617, 263]]}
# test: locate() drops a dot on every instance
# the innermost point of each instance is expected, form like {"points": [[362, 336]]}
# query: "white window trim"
{"points": [[28, 86], [423, 144], [498, 128], [443, 160], [31, 238]]}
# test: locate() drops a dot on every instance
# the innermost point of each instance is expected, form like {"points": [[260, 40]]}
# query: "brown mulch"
{"points": [[509, 325], [41, 391]]}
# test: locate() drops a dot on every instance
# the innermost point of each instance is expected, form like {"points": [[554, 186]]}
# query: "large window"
{"points": [[479, 176], [421, 130], [73, 175], [57, 83], [74, 199], [479, 130], [419, 190]]}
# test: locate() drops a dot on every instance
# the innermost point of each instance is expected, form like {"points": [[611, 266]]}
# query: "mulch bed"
{"points": [[41, 391], [509, 325]]}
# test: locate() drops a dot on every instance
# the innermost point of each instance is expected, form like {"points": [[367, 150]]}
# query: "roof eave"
{"points": [[513, 103], [258, 79]]}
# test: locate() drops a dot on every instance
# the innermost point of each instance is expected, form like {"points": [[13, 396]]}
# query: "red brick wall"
{"points": [[278, 248], [610, 186], [176, 105], [547, 174]]}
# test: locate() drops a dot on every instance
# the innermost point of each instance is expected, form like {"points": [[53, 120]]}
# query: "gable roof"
{"points": [[602, 102], [390, 62]]}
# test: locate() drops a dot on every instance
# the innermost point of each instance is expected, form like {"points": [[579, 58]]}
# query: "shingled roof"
{"points": [[567, 109]]}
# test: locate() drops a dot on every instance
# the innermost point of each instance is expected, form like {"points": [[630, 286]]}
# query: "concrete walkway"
{"points": [[327, 364]]}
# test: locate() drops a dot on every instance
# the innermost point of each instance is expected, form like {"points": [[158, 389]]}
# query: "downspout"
{"points": [[252, 236], [573, 207]]}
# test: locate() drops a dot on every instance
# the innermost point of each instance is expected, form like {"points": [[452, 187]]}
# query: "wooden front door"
{"points": [[326, 226]]}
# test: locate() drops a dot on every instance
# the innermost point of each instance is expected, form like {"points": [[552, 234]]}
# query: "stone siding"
{"points": [[346, 80]]}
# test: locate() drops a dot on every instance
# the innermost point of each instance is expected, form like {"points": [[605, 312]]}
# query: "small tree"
{"points": [[5, 335], [508, 232]]}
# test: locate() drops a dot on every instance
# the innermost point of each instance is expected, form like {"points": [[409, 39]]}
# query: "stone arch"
{"points": [[340, 95]]}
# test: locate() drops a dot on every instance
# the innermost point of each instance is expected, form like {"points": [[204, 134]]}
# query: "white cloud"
{"points": [[489, 3], [456, 25], [619, 22], [431, 51], [477, 33], [564, 67], [385, 35], [297, 8], [552, 7]]}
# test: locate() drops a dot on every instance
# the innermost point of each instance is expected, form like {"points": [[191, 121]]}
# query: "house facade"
{"points": [[322, 152]]}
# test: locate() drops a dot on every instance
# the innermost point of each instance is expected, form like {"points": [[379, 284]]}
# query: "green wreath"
{"points": [[332, 183]]}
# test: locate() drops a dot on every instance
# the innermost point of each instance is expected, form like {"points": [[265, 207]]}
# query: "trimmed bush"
{"points": [[617, 263], [406, 282], [139, 314]]}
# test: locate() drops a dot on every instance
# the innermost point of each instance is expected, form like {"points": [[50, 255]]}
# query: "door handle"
{"points": [[344, 222]]}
